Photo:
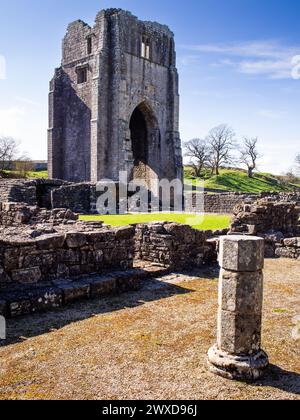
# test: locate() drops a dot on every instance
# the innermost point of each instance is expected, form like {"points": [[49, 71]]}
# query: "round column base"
{"points": [[241, 368]]}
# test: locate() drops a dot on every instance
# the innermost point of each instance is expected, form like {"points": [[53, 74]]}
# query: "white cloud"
{"points": [[267, 58], [280, 69]]}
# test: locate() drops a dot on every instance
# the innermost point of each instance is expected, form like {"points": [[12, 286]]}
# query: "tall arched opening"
{"points": [[145, 140]]}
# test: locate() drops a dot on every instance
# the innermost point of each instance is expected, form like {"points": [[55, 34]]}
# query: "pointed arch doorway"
{"points": [[145, 140]]}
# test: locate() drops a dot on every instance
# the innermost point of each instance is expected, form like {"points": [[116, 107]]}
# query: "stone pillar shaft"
{"points": [[238, 354]]}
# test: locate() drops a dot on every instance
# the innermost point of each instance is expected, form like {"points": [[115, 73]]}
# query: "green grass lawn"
{"points": [[238, 181], [37, 174], [205, 222]]}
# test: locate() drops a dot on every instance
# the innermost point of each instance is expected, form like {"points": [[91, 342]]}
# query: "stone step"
{"points": [[64, 292]]}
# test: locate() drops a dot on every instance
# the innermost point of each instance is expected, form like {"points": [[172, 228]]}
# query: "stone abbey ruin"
{"points": [[49, 258], [114, 106], [114, 102]]}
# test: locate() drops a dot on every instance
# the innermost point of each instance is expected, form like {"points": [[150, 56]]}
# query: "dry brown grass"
{"points": [[149, 344]]}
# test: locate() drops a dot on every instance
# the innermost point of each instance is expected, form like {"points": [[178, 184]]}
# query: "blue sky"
{"points": [[234, 59]]}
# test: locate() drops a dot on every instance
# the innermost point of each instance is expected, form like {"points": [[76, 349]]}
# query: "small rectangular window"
{"points": [[89, 45], [82, 75], [145, 47]]}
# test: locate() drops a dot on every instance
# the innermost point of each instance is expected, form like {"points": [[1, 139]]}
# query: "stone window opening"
{"points": [[89, 45], [82, 75], [145, 48]]}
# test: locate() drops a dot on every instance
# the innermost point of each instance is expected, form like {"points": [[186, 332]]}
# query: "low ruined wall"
{"points": [[224, 203], [217, 203], [80, 260], [173, 245], [32, 192], [82, 197], [19, 191], [266, 216], [64, 255], [289, 248], [290, 197], [227, 202], [15, 214], [76, 197], [277, 246]]}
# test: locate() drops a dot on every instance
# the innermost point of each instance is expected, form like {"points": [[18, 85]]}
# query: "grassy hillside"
{"points": [[238, 181], [229, 180]]}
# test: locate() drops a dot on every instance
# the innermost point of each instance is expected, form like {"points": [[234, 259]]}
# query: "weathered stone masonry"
{"points": [[238, 354], [226, 203], [82, 197], [174, 245], [276, 222], [71, 250], [114, 102], [48, 258]]}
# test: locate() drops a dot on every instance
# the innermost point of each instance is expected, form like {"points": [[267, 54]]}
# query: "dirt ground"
{"points": [[149, 344]]}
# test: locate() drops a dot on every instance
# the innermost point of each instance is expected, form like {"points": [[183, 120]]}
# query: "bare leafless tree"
{"points": [[8, 152], [198, 151], [221, 141], [249, 154]]}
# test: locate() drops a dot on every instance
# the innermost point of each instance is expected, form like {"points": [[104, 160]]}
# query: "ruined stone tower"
{"points": [[114, 102]]}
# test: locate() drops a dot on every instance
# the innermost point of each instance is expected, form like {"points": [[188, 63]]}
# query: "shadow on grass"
{"points": [[22, 328]]}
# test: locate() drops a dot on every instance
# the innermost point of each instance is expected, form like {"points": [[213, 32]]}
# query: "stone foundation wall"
{"points": [[217, 203], [48, 265], [227, 202], [277, 246], [82, 197], [76, 197], [33, 192], [32, 261], [15, 214], [276, 222], [173, 245], [265, 216], [18, 191], [289, 248]]}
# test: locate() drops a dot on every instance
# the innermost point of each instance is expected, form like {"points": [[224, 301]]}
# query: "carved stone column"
{"points": [[238, 354]]}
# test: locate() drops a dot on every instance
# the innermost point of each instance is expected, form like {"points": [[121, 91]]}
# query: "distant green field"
{"points": [[238, 181], [30, 174], [38, 174], [206, 222]]}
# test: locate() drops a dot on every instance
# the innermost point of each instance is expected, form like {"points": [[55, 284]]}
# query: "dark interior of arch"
{"points": [[139, 136]]}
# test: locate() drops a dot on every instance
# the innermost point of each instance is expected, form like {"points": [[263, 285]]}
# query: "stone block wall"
{"points": [[226, 203], [15, 214], [20, 191], [173, 245], [34, 261], [33, 192], [265, 216], [76, 197], [217, 203], [288, 248], [277, 246], [276, 222]]}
